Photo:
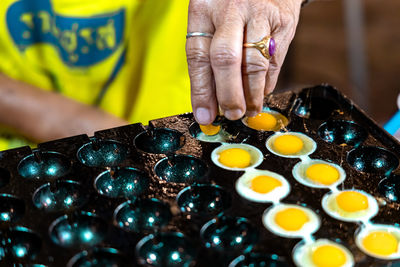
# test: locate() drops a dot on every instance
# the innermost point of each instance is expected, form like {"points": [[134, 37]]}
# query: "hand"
{"points": [[222, 73]]}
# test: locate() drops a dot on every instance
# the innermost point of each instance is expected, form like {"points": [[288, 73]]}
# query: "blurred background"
{"points": [[353, 45]]}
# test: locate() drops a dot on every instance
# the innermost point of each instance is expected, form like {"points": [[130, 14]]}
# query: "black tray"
{"points": [[130, 146]]}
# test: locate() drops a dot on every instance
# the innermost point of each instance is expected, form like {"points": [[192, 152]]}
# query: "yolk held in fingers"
{"points": [[262, 121], [210, 129]]}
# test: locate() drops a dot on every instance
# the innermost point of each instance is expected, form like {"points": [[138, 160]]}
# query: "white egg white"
{"points": [[365, 229], [309, 145], [302, 253], [220, 137], [306, 231], [255, 154], [243, 187], [331, 207], [299, 173], [281, 121]]}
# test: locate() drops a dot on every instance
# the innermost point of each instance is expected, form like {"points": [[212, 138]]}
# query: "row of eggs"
{"points": [[285, 220], [294, 221], [297, 221]]}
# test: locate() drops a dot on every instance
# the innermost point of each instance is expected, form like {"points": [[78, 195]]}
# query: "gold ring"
{"points": [[266, 46]]}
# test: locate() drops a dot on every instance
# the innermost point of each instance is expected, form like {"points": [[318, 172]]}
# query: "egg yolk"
{"points": [[352, 201], [210, 129], [328, 256], [288, 144], [380, 243], [291, 219], [322, 174], [264, 184], [235, 158], [262, 121]]}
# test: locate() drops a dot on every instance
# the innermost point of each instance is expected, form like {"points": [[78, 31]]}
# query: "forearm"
{"points": [[42, 115]]}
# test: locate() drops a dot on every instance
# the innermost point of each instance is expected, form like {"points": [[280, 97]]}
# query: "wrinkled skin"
{"points": [[225, 76]]}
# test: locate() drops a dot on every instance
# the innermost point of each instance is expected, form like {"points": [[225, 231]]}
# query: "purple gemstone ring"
{"points": [[266, 46]]}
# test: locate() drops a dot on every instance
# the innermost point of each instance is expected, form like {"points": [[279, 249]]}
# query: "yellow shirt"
{"points": [[126, 56]]}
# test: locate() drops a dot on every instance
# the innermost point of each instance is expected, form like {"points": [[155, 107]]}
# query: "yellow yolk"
{"points": [[291, 219], [352, 201], [328, 256], [262, 121], [380, 243], [288, 144], [322, 174], [235, 158], [210, 129], [264, 184]]}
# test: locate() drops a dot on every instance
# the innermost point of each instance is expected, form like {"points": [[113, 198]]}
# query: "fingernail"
{"points": [[203, 116], [234, 114], [251, 113]]}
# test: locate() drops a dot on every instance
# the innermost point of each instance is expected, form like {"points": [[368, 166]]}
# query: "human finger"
{"points": [[226, 60], [283, 31], [204, 102], [255, 65]]}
